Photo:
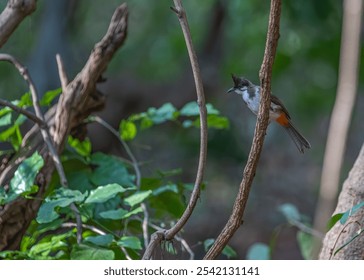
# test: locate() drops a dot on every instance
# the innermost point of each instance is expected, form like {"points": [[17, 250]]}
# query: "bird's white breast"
{"points": [[252, 101]]}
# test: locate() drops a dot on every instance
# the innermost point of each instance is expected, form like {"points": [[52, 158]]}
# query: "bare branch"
{"points": [[265, 74], [79, 90], [169, 234], [45, 132], [76, 103], [22, 111], [62, 72], [13, 14]]}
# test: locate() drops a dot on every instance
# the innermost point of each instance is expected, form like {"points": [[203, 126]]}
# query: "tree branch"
{"points": [[78, 100], [265, 74], [13, 14], [22, 111], [45, 132], [160, 235]]}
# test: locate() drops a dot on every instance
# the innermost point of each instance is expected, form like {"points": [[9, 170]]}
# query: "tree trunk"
{"points": [[351, 194]]}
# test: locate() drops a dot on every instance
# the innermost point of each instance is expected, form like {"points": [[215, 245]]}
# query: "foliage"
{"points": [[262, 251], [187, 116], [344, 220], [103, 188]]}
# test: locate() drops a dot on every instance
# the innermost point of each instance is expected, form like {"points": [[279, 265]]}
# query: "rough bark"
{"points": [[351, 194], [13, 14], [265, 74], [78, 100]]}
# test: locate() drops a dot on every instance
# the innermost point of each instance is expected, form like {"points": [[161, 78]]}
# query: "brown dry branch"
{"points": [[265, 74], [341, 114], [45, 132], [13, 14], [169, 234], [22, 111], [79, 99]]}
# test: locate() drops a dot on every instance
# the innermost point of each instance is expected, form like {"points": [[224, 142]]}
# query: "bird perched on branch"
{"points": [[277, 112]]}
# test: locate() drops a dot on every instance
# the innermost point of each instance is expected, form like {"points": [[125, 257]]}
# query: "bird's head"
{"points": [[240, 84]]}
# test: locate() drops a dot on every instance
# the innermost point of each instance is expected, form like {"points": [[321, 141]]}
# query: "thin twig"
{"points": [[61, 72], [306, 229], [45, 132], [179, 239], [169, 234], [92, 228], [136, 170], [124, 144], [22, 111], [98, 231], [265, 74], [126, 253]]}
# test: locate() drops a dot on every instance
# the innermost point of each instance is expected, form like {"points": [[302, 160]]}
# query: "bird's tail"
{"points": [[300, 141]]}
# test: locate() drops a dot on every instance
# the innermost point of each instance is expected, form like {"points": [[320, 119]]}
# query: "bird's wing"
{"points": [[276, 101]]}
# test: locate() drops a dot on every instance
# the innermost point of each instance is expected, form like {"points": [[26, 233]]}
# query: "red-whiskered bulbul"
{"points": [[277, 111]]}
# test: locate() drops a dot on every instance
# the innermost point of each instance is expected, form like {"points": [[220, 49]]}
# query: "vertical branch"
{"points": [[341, 114], [158, 236], [265, 74], [179, 10]]}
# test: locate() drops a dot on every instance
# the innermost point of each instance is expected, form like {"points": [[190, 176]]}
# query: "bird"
{"points": [[277, 111]]}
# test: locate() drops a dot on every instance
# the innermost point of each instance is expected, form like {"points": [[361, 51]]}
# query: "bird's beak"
{"points": [[231, 90]]}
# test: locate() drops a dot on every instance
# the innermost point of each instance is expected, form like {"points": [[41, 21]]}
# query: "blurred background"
{"points": [[153, 68]]}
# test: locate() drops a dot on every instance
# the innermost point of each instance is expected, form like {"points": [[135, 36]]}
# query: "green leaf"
{"points": [[25, 100], [85, 252], [305, 243], [213, 121], [227, 251], [333, 220], [4, 111], [146, 123], [104, 193], [49, 96], [133, 212], [114, 214], [109, 170], [290, 212], [131, 242], [351, 212], [165, 113], [208, 243], [83, 148], [46, 247], [61, 198], [127, 130], [23, 180], [100, 240], [137, 198], [5, 120], [217, 122], [166, 188], [258, 251], [192, 109]]}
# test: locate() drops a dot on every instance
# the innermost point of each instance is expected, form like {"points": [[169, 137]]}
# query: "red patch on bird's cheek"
{"points": [[282, 120]]}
